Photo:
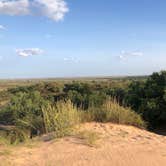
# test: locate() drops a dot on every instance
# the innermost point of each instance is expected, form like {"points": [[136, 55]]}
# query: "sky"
{"points": [[70, 38]]}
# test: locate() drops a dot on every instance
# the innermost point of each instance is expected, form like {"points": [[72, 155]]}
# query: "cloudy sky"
{"points": [[67, 38]]}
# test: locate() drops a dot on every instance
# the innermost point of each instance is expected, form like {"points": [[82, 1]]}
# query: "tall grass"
{"points": [[60, 118], [111, 111]]}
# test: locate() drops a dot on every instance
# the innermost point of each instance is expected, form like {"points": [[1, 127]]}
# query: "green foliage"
{"points": [[83, 95], [25, 111], [117, 93], [149, 99], [6, 116]]}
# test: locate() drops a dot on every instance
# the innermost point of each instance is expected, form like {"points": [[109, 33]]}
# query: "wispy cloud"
{"points": [[53, 9], [29, 52], [2, 27], [125, 54], [71, 60]]}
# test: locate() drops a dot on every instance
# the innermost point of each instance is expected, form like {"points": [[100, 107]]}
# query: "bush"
{"points": [[60, 118], [25, 112], [111, 111], [149, 99]]}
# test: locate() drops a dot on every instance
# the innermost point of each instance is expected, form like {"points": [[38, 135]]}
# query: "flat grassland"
{"points": [[12, 83]]}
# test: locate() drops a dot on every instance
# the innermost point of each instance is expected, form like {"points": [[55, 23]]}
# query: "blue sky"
{"points": [[68, 38]]}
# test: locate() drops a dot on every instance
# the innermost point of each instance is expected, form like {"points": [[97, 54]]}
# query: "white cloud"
{"points": [[29, 52], [14, 7], [135, 54], [125, 54], [53, 9], [2, 27], [71, 59]]}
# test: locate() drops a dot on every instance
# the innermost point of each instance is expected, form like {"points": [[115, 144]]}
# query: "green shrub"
{"points": [[60, 118], [25, 112]]}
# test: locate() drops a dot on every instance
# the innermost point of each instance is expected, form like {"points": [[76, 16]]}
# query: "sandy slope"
{"points": [[119, 146]]}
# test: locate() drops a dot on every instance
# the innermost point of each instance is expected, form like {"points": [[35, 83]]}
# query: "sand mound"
{"points": [[117, 145]]}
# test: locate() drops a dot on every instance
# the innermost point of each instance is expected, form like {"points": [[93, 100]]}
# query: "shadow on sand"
{"points": [[160, 130]]}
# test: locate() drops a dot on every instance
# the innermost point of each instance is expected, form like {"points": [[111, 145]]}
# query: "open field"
{"points": [[12, 83], [116, 145]]}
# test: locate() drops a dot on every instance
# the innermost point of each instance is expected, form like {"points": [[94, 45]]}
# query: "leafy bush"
{"points": [[149, 99], [83, 95], [60, 118], [25, 112]]}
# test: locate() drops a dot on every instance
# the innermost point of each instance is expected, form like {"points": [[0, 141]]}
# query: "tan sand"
{"points": [[118, 146]]}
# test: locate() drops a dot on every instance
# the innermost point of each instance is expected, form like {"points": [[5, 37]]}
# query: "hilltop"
{"points": [[97, 144]]}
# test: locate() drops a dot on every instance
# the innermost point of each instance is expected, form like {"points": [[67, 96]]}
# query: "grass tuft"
{"points": [[61, 118], [111, 111], [90, 138]]}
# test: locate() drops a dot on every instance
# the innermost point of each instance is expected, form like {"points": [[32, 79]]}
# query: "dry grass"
{"points": [[61, 118], [90, 138], [111, 111], [5, 152]]}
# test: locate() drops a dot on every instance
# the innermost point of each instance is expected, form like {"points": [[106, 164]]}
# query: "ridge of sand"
{"points": [[119, 145]]}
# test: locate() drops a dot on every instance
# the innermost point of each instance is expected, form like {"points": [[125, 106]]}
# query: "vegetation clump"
{"points": [[60, 118], [111, 111]]}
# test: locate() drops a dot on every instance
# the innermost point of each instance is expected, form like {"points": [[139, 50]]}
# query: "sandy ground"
{"points": [[118, 146]]}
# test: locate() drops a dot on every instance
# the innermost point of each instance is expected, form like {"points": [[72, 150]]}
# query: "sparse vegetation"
{"points": [[90, 138]]}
